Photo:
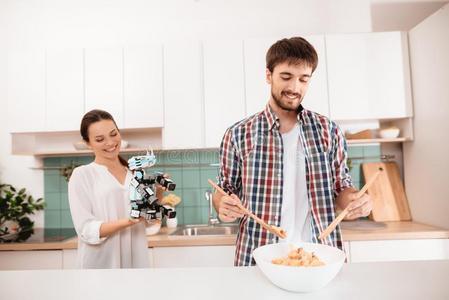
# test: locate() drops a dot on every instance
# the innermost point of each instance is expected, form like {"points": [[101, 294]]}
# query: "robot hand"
{"points": [[143, 161]]}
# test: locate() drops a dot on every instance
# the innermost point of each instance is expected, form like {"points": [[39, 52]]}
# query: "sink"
{"points": [[201, 230]]}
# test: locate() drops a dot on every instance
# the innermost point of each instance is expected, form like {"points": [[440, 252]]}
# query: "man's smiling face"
{"points": [[289, 83]]}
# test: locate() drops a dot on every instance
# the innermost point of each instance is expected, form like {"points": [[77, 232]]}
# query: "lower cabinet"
{"points": [[194, 256], [397, 250], [223, 256], [69, 258], [31, 260]]}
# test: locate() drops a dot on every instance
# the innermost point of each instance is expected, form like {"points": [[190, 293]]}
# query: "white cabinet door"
{"points": [[196, 256], [104, 81], [143, 87], [399, 250], [26, 90], [224, 91], [69, 258], [258, 91], [150, 257], [30, 260], [183, 96], [65, 89], [368, 76], [317, 98]]}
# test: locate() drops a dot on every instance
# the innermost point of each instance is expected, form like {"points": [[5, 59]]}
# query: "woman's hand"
{"points": [[161, 189]]}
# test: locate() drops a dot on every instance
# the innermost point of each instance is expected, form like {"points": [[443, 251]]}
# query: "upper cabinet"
{"points": [[224, 90], [195, 90], [258, 90], [65, 89], [183, 96], [368, 76], [104, 81], [316, 98], [143, 87], [26, 90]]}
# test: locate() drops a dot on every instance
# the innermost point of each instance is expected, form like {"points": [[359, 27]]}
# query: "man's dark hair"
{"points": [[295, 50]]}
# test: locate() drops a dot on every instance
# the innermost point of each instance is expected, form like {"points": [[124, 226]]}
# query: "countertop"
{"points": [[351, 231], [390, 280]]}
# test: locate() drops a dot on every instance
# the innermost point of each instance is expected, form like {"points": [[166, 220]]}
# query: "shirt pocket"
{"points": [[319, 171]]}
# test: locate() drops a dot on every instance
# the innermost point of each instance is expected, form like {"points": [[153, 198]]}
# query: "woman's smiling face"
{"points": [[104, 139]]}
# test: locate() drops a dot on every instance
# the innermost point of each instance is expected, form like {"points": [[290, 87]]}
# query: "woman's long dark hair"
{"points": [[94, 116]]}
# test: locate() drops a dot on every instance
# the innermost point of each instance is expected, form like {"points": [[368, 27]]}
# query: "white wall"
{"points": [[104, 22], [401, 15], [426, 159]]}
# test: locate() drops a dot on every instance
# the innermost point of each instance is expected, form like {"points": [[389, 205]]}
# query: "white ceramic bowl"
{"points": [[81, 145], [389, 133], [153, 228], [299, 279]]}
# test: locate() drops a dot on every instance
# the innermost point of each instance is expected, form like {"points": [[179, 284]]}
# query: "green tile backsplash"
{"points": [[188, 169]]}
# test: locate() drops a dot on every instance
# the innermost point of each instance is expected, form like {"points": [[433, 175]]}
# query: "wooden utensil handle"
{"points": [[369, 183], [334, 224], [258, 220], [343, 214]]}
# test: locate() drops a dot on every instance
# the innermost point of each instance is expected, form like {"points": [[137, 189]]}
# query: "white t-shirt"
{"points": [[96, 196], [295, 214]]}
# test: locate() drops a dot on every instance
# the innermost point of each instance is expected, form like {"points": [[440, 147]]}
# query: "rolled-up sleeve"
{"points": [[87, 225], [230, 168], [340, 171]]}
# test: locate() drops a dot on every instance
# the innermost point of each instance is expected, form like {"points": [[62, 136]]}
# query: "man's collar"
{"points": [[273, 119]]}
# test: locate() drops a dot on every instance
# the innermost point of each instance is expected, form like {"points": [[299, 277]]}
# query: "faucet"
{"points": [[211, 219]]}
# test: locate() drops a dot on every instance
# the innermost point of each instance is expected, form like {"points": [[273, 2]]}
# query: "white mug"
{"points": [[172, 223]]}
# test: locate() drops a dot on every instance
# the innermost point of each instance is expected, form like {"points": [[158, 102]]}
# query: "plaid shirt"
{"points": [[252, 168]]}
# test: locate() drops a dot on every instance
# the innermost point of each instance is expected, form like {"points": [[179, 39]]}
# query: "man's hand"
{"points": [[227, 209], [360, 207]]}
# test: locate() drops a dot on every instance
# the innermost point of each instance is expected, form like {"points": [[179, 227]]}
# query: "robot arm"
{"points": [[144, 202]]}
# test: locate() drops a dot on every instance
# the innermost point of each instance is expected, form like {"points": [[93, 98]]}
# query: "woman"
{"points": [[99, 201]]}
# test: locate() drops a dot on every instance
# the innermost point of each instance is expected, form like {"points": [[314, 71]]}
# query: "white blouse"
{"points": [[96, 196]]}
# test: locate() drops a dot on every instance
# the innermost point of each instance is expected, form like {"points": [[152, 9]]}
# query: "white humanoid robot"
{"points": [[144, 202]]}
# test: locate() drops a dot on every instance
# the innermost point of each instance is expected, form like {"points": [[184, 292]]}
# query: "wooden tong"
{"points": [[271, 228], [343, 214]]}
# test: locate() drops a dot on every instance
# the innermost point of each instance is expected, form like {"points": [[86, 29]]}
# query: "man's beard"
{"points": [[284, 107]]}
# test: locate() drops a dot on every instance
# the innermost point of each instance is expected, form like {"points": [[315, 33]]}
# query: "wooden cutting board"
{"points": [[387, 192]]}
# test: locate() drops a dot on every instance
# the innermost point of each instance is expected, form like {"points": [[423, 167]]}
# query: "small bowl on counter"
{"points": [[81, 145], [153, 227]]}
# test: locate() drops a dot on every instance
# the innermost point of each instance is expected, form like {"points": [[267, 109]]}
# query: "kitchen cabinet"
{"points": [[26, 90], [368, 76], [183, 96], [398, 250], [258, 91], [104, 81], [224, 90], [65, 89], [30, 260], [195, 256], [143, 87], [69, 258]]}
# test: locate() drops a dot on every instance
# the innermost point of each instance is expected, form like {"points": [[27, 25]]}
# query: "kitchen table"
{"points": [[387, 280]]}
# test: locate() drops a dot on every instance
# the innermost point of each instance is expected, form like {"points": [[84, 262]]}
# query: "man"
{"points": [[286, 164]]}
